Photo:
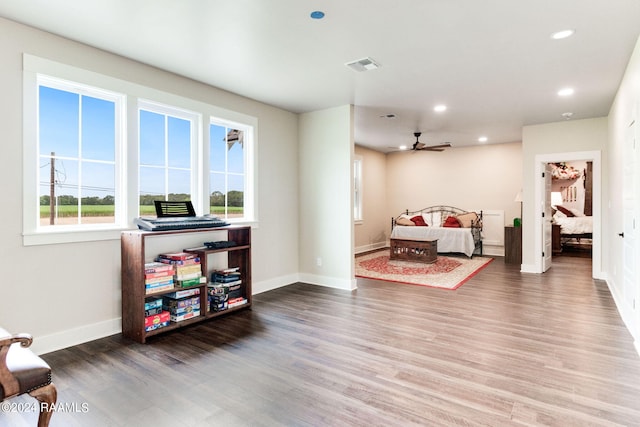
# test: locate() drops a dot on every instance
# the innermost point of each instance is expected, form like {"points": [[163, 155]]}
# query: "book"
{"points": [[156, 321], [195, 268], [235, 302], [162, 283], [179, 318], [158, 279], [152, 311], [224, 278], [178, 256], [169, 303], [158, 289], [189, 282], [152, 302], [235, 282], [157, 274], [188, 276], [155, 267], [183, 293], [184, 310]]}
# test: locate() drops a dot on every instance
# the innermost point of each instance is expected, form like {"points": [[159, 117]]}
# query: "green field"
{"points": [[108, 210]]}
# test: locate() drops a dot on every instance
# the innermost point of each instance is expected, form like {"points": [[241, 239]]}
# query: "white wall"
{"points": [[625, 108], [486, 177], [374, 229], [70, 293], [326, 197], [555, 141]]}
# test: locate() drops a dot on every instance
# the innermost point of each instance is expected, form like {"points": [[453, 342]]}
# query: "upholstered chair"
{"points": [[21, 371]]}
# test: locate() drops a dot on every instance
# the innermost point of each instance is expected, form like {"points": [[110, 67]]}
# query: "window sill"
{"points": [[70, 236]]}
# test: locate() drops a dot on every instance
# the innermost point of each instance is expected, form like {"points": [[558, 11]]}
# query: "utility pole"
{"points": [[52, 189]]}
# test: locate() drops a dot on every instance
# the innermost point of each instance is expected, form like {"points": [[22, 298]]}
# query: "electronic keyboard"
{"points": [[178, 223]]}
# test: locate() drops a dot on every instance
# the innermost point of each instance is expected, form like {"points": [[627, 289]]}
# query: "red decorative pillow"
{"points": [[451, 221], [418, 220], [565, 211]]}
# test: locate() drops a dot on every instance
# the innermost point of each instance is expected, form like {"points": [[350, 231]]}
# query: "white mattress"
{"points": [[574, 224], [449, 239]]}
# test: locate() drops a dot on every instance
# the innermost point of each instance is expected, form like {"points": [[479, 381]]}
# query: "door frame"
{"points": [[540, 161]]}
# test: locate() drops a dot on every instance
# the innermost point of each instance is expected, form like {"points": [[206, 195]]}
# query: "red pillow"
{"points": [[451, 221], [565, 211], [418, 220]]}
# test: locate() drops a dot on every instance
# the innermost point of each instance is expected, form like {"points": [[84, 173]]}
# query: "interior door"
{"points": [[546, 219], [630, 235]]}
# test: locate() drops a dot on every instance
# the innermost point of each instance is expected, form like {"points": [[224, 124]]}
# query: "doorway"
{"points": [[541, 200], [571, 201]]}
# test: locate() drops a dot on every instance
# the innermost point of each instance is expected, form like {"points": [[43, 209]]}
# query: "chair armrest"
{"points": [[25, 340]]}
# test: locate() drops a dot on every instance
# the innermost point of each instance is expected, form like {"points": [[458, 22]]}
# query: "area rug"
{"points": [[448, 272]]}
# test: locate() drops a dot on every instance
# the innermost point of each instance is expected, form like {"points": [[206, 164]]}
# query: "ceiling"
{"points": [[493, 63]]}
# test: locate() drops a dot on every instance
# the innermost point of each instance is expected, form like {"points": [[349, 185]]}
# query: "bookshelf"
{"points": [[139, 247]]}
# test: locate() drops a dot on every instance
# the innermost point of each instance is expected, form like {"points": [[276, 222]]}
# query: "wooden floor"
{"points": [[504, 349]]}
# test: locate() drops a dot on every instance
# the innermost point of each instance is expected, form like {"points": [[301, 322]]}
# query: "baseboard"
{"points": [[492, 250], [627, 318], [529, 268], [271, 284], [68, 338], [371, 247], [329, 282]]}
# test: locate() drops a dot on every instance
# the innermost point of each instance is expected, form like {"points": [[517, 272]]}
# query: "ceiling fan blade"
{"points": [[439, 147]]}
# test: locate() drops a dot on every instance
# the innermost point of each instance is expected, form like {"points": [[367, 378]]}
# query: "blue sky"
{"points": [[59, 132]]}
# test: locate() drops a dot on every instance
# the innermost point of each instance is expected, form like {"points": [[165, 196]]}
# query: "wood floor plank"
{"points": [[505, 349]]}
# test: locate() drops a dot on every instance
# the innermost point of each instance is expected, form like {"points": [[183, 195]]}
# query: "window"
{"points": [[357, 189], [166, 143], [99, 150], [78, 142], [227, 166]]}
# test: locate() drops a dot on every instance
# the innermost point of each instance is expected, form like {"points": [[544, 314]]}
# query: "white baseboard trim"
{"points": [[329, 282], [371, 247], [529, 268], [627, 318], [492, 250], [271, 284], [68, 338]]}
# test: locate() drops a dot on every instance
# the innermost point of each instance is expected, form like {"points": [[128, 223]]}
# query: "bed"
{"points": [[573, 225], [456, 230]]}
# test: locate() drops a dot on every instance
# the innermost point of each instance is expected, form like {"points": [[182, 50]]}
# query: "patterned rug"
{"points": [[447, 272]]}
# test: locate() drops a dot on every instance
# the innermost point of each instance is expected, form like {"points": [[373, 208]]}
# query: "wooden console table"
{"points": [[425, 251], [512, 245]]}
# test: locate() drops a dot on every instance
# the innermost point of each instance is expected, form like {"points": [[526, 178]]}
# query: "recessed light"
{"points": [[567, 115], [440, 108], [483, 139], [567, 91], [403, 147], [559, 35], [317, 14]]}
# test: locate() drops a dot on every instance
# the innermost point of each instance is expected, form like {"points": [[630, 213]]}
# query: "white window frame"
{"points": [[194, 146], [249, 210], [127, 166]]}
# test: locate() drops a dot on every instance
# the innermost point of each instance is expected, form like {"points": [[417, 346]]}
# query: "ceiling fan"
{"points": [[418, 146]]}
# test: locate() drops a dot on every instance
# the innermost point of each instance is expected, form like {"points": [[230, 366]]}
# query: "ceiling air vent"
{"points": [[364, 64]]}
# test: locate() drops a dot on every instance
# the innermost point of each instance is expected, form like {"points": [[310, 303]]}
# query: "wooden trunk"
{"points": [[425, 251]]}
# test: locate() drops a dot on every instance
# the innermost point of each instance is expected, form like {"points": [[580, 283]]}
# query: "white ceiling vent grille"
{"points": [[364, 64]]}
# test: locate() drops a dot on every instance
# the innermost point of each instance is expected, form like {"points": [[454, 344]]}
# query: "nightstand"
{"points": [[556, 242], [512, 245]]}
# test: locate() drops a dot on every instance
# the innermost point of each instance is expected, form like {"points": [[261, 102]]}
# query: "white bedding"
{"points": [[574, 224], [449, 239]]}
